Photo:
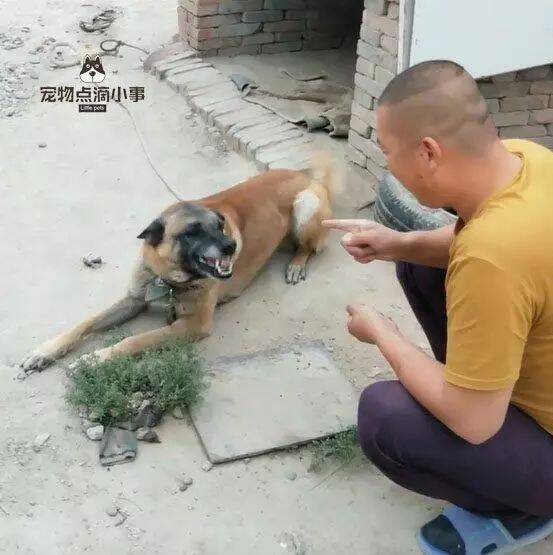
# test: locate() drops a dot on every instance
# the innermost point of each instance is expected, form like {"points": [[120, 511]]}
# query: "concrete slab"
{"points": [[272, 400]]}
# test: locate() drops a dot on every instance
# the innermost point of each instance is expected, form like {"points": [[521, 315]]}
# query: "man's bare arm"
{"points": [[367, 240], [428, 248]]}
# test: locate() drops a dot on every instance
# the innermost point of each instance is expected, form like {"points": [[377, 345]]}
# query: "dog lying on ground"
{"points": [[208, 251]]}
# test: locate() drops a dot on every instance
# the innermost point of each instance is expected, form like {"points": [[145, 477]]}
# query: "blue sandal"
{"points": [[477, 535]]}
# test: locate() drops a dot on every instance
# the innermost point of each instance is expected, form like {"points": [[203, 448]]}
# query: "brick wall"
{"points": [[231, 27], [520, 102]]}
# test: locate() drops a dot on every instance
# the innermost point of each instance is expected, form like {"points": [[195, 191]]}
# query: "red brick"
{"points": [[239, 29], [214, 20]]}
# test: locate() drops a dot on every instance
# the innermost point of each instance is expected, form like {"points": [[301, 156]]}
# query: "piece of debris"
{"points": [[42, 145], [40, 440], [188, 481], [95, 433], [112, 510], [130, 426], [148, 415], [291, 476], [90, 260], [99, 22], [122, 518], [94, 416], [207, 466], [182, 486], [178, 413], [147, 434], [63, 54], [118, 446]]}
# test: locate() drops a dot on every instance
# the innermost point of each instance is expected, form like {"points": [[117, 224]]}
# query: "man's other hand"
{"points": [[366, 325], [366, 240]]}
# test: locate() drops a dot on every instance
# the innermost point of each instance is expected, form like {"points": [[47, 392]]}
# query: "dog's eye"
{"points": [[194, 228], [220, 221]]}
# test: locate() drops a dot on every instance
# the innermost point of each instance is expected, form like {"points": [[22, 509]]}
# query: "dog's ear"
{"points": [[97, 59], [153, 234], [86, 59]]}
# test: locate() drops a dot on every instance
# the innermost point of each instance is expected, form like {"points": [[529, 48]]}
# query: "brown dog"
{"points": [[208, 251]]}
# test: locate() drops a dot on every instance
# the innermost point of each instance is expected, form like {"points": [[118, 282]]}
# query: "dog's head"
{"points": [[189, 241], [92, 70]]}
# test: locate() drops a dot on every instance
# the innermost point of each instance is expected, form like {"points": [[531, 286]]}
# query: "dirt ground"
{"points": [[90, 189]]}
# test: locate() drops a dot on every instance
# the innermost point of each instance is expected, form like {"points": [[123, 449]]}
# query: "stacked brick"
{"points": [[520, 102], [376, 66], [232, 27]]}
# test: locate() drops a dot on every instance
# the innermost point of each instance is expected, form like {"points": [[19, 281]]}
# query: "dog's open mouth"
{"points": [[219, 267]]}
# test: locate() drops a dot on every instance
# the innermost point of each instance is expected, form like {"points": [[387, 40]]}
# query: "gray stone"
{"points": [[210, 21], [284, 4], [147, 435], [542, 87], [188, 481], [148, 415], [504, 119], [242, 116], [377, 56], [355, 156], [112, 510], [529, 102], [259, 38], [206, 467], [502, 90], [377, 7], [360, 126], [235, 6], [383, 76], [249, 50], [239, 29], [262, 16], [389, 44], [42, 145], [522, 131], [95, 433], [368, 85], [381, 23], [272, 400], [274, 139], [178, 413], [291, 475], [40, 441], [365, 67], [393, 11], [492, 105], [535, 73], [370, 35], [508, 77], [364, 99], [541, 116]]}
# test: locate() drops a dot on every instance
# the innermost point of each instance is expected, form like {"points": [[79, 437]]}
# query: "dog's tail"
{"points": [[326, 172]]}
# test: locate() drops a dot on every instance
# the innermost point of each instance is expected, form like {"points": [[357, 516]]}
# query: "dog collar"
{"points": [[158, 289]]}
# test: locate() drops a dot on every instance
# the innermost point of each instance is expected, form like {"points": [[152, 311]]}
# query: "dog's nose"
{"points": [[92, 73], [229, 247]]}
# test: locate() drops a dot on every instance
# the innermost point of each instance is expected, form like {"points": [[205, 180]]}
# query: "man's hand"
{"points": [[366, 240], [367, 325]]}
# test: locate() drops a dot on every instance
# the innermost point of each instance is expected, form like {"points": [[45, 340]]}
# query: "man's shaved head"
{"points": [[438, 99]]}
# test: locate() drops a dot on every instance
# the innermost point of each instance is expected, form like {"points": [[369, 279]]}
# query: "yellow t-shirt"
{"points": [[500, 290]]}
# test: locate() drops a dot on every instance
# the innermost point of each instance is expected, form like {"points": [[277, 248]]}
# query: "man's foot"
{"points": [[460, 532]]}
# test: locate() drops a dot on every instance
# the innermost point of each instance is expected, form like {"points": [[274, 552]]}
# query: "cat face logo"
{"points": [[92, 70]]}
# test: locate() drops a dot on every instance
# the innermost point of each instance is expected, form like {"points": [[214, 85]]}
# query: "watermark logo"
{"points": [[92, 70], [95, 98]]}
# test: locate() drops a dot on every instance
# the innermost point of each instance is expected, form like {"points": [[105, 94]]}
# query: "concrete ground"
{"points": [[91, 190]]}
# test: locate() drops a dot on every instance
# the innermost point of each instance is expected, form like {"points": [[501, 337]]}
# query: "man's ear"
{"points": [[153, 234]]}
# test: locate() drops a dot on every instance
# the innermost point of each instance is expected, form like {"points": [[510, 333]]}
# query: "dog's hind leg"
{"points": [[311, 207], [118, 313]]}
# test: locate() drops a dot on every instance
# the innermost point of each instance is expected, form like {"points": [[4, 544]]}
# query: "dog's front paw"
{"points": [[38, 360], [295, 273]]}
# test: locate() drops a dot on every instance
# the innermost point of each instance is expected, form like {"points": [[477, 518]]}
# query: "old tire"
{"points": [[398, 209]]}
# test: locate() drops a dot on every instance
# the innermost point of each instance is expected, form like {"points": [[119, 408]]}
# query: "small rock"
{"points": [[33, 74], [92, 261], [130, 426], [148, 416], [291, 476], [188, 481], [145, 434], [115, 71], [178, 413], [182, 486], [86, 424], [207, 466], [35, 61], [95, 433], [247, 461], [112, 510], [40, 440], [42, 145], [94, 416]]}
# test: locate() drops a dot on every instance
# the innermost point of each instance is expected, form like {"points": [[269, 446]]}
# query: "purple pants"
{"points": [[508, 475]]}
